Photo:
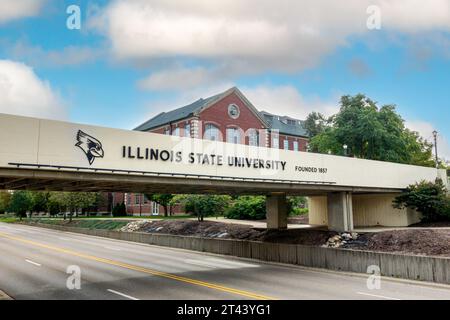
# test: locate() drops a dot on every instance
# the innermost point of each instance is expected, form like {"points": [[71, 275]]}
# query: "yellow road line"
{"points": [[246, 294]]}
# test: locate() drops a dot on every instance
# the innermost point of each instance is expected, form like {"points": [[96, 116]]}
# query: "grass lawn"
{"points": [[107, 224], [8, 219], [132, 217]]}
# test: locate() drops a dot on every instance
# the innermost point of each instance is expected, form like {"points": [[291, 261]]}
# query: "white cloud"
{"points": [[67, 56], [425, 129], [23, 93], [178, 78], [247, 37], [16, 9], [287, 100]]}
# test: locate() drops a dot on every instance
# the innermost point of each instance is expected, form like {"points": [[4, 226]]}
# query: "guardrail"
{"points": [[432, 269]]}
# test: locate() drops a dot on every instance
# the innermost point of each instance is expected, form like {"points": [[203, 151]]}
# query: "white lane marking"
{"points": [[111, 248], [232, 264], [377, 296], [200, 263], [122, 294], [32, 262], [64, 239], [220, 263]]}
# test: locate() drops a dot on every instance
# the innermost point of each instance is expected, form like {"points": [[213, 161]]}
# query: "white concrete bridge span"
{"points": [[39, 154]]}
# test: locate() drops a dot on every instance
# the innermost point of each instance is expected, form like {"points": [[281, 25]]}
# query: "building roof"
{"points": [[285, 125], [293, 127], [175, 115]]}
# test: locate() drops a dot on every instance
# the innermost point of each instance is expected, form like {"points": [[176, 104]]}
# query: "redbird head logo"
{"points": [[91, 146]]}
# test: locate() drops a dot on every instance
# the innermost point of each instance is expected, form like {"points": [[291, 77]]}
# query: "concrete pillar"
{"points": [[340, 211], [276, 208]]}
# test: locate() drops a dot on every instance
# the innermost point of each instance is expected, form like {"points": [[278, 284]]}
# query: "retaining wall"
{"points": [[432, 269]]}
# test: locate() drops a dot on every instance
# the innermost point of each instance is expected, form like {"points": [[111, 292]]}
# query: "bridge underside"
{"points": [[58, 180]]}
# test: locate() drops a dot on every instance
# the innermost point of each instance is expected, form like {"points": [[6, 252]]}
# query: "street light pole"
{"points": [[435, 148]]}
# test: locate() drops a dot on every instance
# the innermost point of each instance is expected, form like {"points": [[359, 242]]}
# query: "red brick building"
{"points": [[228, 117]]}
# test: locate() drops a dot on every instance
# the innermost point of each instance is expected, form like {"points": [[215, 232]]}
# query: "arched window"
{"points": [[253, 137], [212, 132], [233, 135]]}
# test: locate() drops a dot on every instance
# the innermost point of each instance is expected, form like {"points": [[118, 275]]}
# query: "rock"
{"points": [[222, 235], [134, 226], [159, 229]]}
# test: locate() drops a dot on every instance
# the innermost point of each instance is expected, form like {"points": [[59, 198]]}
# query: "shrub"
{"points": [[248, 208], [254, 207], [119, 210], [428, 198], [204, 206]]}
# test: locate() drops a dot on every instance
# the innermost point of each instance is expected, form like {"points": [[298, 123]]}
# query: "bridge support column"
{"points": [[276, 208], [340, 211]]}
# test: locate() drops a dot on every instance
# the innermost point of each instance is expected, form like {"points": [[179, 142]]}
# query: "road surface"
{"points": [[34, 264]]}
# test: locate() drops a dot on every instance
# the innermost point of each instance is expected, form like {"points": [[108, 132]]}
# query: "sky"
{"points": [[117, 63]]}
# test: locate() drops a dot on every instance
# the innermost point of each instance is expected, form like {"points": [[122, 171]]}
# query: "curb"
{"points": [[4, 296]]}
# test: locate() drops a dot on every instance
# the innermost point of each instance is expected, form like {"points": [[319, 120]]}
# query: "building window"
{"points": [[187, 130], [286, 144], [176, 132], [253, 137], [275, 142], [295, 145], [291, 122], [137, 199], [233, 111], [233, 135], [212, 132], [155, 209]]}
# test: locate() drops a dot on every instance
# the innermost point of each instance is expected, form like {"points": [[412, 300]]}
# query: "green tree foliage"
{"points": [[204, 205], [373, 133], [162, 199], [315, 124], [120, 210], [5, 198], [39, 201], [430, 199], [72, 202], [248, 208], [21, 202], [254, 207], [296, 206]]}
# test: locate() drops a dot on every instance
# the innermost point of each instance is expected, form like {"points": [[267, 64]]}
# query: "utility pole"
{"points": [[435, 148]]}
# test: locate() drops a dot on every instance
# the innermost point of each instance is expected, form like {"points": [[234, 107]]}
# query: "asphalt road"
{"points": [[34, 262]]}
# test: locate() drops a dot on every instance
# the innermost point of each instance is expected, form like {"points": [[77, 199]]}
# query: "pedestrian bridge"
{"points": [[37, 154]]}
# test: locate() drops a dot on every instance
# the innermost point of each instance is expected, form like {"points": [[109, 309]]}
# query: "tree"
{"points": [[315, 124], [5, 198], [428, 198], [20, 203], [39, 201], [162, 199], [205, 205], [373, 133]]}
